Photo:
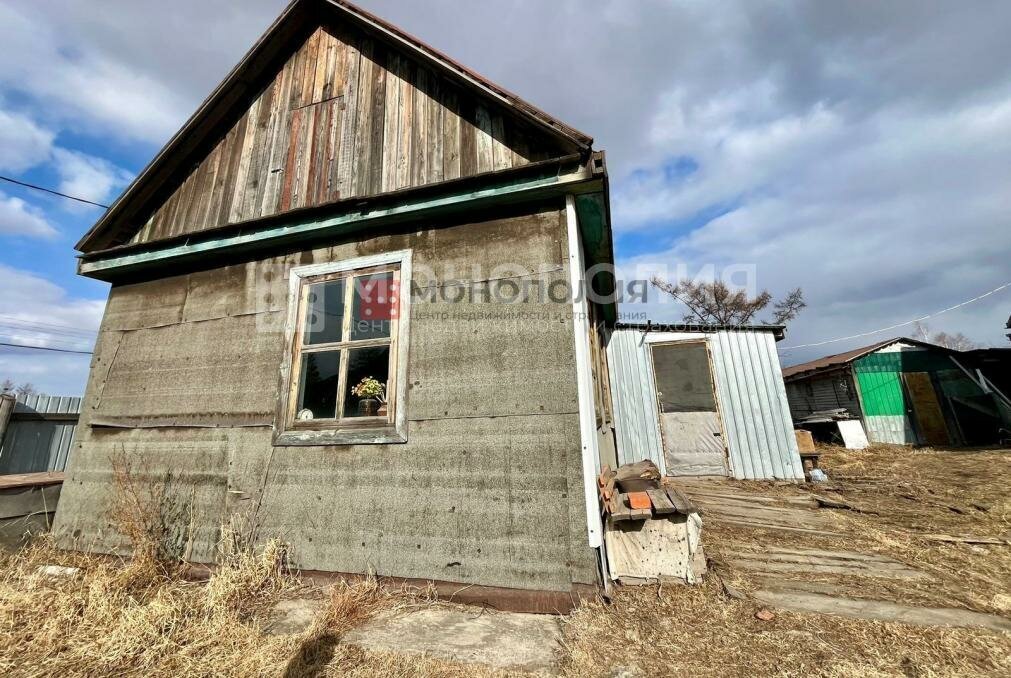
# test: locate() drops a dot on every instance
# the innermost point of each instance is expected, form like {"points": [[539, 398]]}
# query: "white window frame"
{"points": [[395, 431]]}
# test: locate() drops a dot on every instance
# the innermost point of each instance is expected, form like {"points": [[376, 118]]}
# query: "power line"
{"points": [[41, 322], [28, 327], [45, 348], [49, 190], [908, 322]]}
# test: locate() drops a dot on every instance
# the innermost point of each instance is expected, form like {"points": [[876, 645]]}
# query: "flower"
{"points": [[369, 388]]}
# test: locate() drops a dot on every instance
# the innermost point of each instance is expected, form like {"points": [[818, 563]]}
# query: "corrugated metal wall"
{"points": [[749, 386], [632, 392], [823, 392], [39, 435]]}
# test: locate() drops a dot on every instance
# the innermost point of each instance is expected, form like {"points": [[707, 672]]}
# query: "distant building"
{"points": [[905, 391]]}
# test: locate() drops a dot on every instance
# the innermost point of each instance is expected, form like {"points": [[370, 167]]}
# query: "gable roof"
{"points": [[837, 360], [280, 39]]}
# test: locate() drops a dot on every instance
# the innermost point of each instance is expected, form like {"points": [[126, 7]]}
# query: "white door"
{"points": [[689, 417]]}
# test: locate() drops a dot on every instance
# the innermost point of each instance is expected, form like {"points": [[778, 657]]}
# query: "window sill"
{"points": [[385, 435]]}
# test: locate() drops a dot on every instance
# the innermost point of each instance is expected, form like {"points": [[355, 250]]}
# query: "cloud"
{"points": [[134, 71], [859, 153], [21, 219], [88, 177], [24, 143], [36, 311]]}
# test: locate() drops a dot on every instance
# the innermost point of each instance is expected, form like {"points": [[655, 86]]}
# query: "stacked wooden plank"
{"points": [[635, 492]]}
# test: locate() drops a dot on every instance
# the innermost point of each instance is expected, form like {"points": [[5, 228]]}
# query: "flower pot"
{"points": [[368, 407]]}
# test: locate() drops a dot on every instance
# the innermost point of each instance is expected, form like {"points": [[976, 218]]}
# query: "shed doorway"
{"points": [[690, 423], [926, 408]]}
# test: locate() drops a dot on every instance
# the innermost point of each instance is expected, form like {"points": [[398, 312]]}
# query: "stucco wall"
{"points": [[488, 488]]}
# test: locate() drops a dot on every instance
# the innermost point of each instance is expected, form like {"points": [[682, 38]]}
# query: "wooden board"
{"points": [[680, 501], [344, 117], [661, 503], [929, 417], [881, 610]]}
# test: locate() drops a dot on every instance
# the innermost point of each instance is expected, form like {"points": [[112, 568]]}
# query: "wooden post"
{"points": [[6, 409]]}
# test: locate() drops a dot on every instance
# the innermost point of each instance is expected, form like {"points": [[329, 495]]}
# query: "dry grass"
{"points": [[700, 632], [909, 493], [142, 618], [904, 494], [112, 619]]}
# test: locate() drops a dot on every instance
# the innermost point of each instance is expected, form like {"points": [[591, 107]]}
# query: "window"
{"points": [[346, 353]]}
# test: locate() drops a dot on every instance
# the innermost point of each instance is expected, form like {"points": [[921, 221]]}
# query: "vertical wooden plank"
{"points": [[235, 214], [391, 122], [468, 139], [436, 120], [297, 76], [255, 173], [295, 134], [309, 75], [374, 168], [360, 125], [206, 205], [405, 123], [317, 147], [338, 176], [324, 63], [418, 170], [277, 149], [165, 228], [483, 140], [451, 134], [300, 185], [143, 233], [345, 117], [328, 149], [198, 181], [157, 220], [502, 155], [234, 156], [214, 208], [179, 218]]}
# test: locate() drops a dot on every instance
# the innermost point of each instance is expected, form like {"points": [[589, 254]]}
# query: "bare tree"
{"points": [[956, 341], [25, 389], [714, 303]]}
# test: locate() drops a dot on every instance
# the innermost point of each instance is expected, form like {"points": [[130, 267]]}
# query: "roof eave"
{"points": [[779, 331]]}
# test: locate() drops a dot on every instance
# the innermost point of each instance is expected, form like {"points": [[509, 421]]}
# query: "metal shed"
{"points": [[38, 433], [906, 392], [755, 431]]}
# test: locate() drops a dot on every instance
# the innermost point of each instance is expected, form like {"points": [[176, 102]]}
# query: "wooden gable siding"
{"points": [[345, 117]]}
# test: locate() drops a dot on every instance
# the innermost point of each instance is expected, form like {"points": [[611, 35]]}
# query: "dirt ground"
{"points": [[138, 619]]}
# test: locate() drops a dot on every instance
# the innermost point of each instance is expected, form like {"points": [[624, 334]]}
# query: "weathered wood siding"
{"points": [[345, 117], [487, 489]]}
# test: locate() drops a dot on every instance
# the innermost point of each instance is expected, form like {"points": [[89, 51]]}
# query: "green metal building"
{"points": [[905, 391]]}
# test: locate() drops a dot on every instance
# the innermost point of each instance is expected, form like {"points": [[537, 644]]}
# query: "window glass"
{"points": [[376, 302], [317, 398], [324, 313], [363, 363]]}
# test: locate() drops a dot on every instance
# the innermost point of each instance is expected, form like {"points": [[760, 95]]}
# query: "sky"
{"points": [[858, 150]]}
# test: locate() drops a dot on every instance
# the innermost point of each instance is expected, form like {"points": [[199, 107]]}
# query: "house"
{"points": [[905, 391], [702, 400], [340, 315]]}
